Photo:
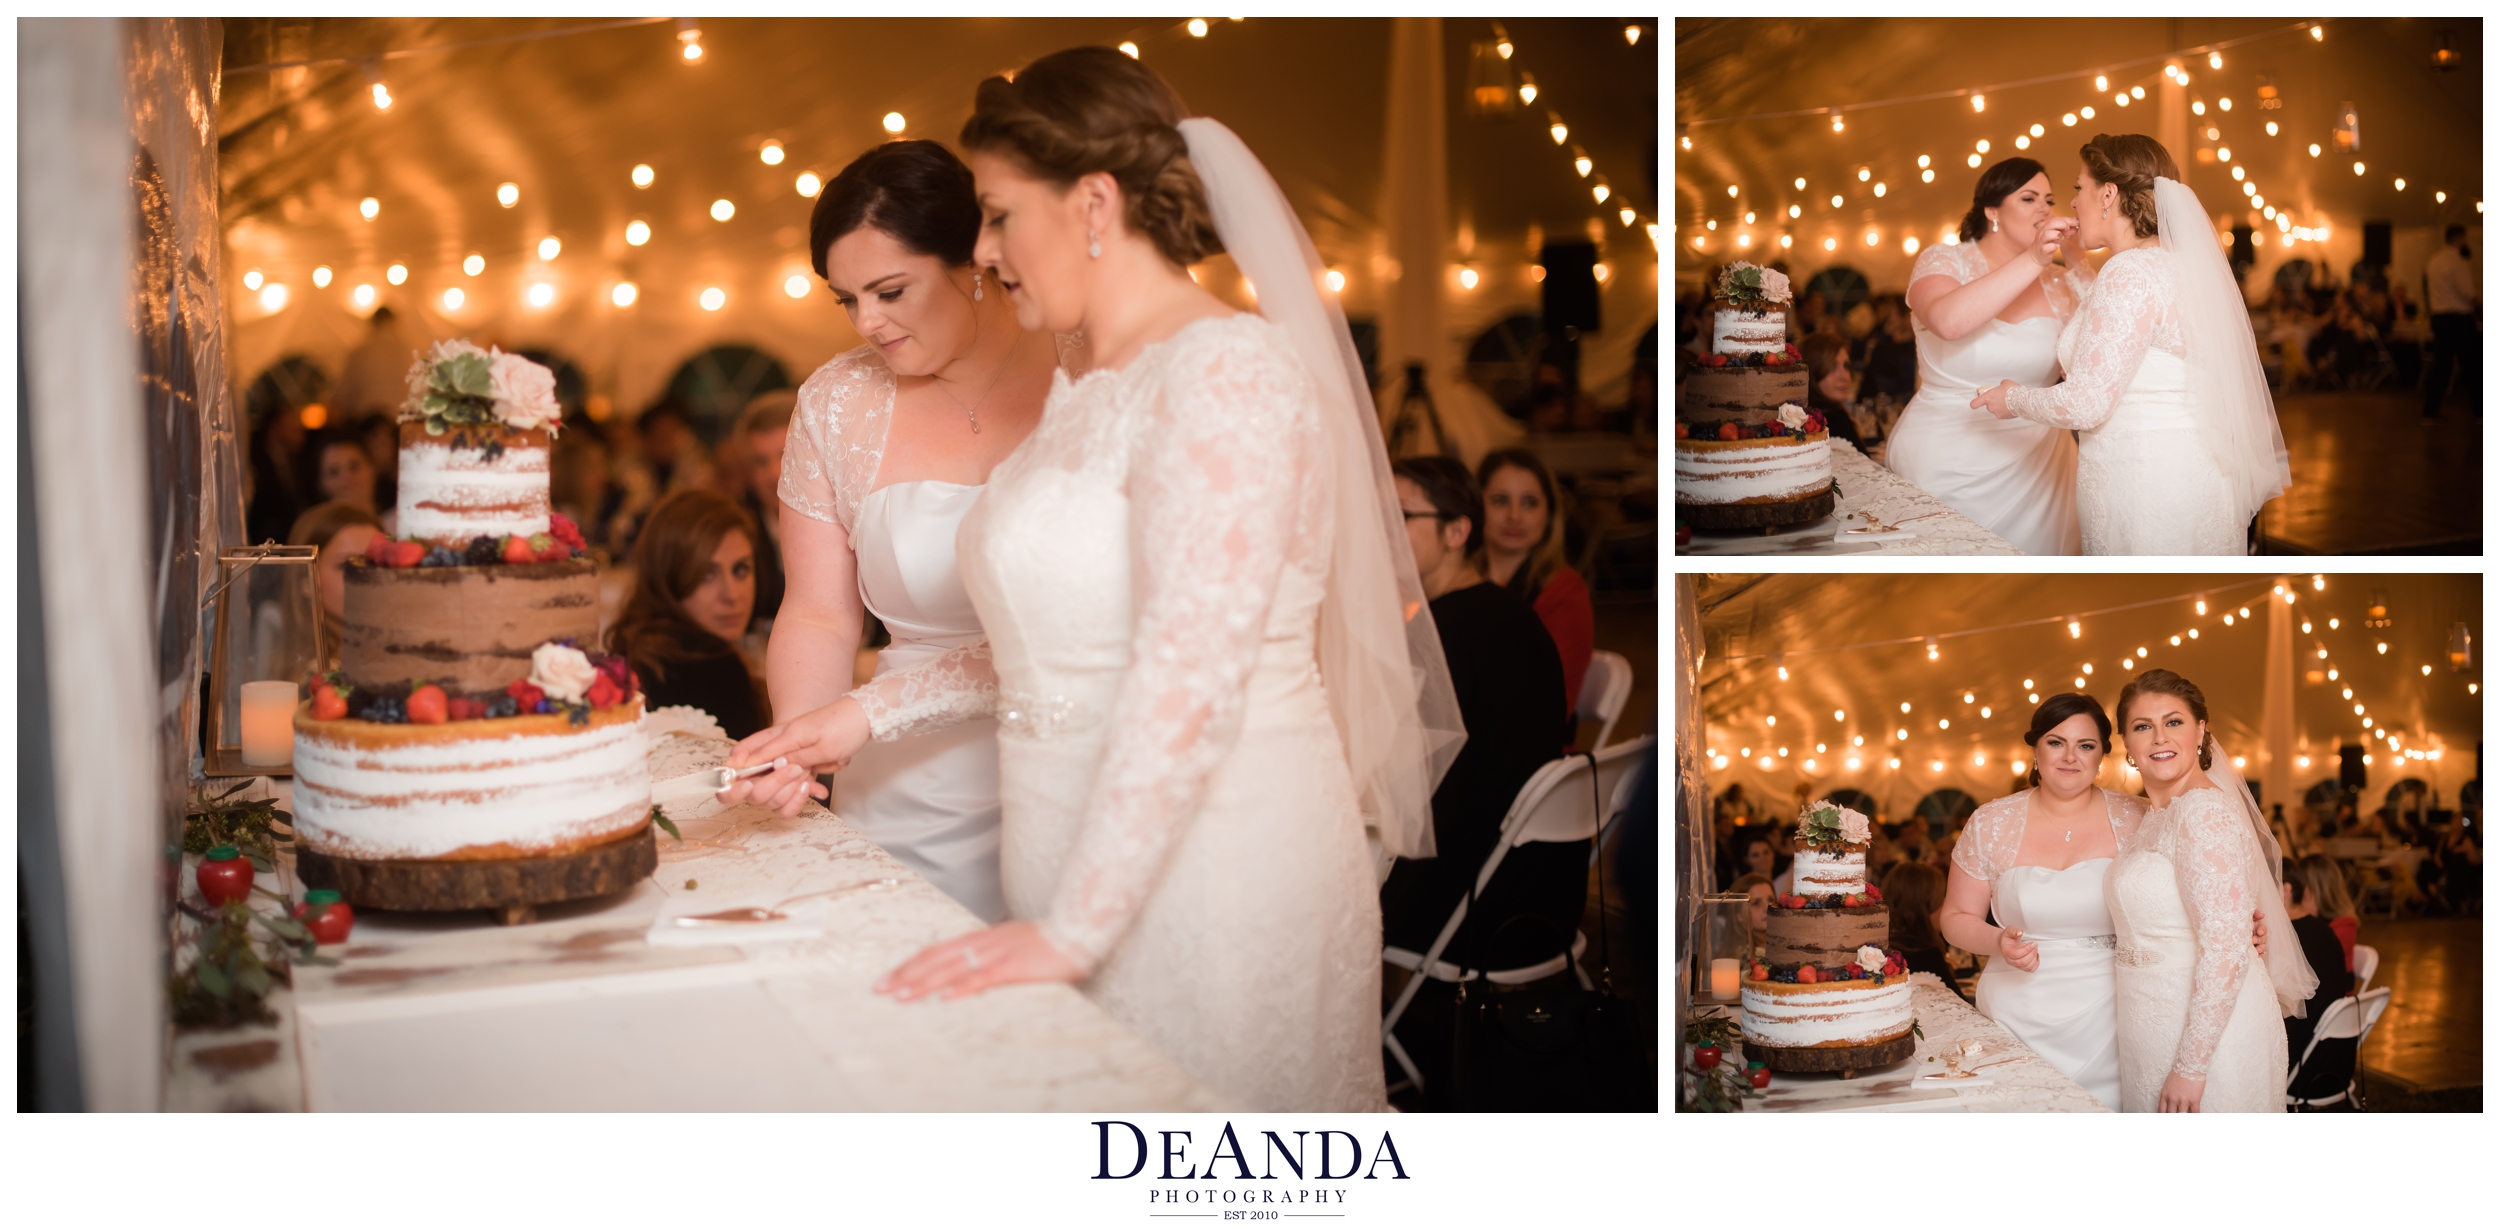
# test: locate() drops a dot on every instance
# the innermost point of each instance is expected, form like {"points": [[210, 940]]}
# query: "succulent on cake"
{"points": [[1828, 826], [1749, 287], [459, 385]]}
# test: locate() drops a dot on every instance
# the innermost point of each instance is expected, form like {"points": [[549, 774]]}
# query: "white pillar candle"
{"points": [[1723, 978], [268, 722]]}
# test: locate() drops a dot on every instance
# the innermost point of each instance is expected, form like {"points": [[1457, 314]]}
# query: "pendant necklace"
{"points": [[971, 414]]}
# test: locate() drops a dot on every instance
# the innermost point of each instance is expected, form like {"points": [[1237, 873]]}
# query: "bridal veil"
{"points": [[2227, 389]]}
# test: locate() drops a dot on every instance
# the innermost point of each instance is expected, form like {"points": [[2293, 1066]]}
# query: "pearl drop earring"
{"points": [[976, 287], [1093, 245], [1992, 225]]}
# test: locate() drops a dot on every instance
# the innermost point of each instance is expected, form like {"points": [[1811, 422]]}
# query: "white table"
{"points": [[1866, 489], [2027, 1083], [579, 1012]]}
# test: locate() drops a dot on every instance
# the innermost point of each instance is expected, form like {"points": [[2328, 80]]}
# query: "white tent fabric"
{"points": [[1754, 627]]}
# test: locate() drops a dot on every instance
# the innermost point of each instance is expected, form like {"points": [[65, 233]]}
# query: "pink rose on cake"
{"points": [[524, 393], [1775, 286], [563, 672], [1854, 828]]}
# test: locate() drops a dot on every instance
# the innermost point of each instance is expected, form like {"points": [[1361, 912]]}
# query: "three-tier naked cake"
{"points": [[1748, 454], [468, 718], [1826, 993]]}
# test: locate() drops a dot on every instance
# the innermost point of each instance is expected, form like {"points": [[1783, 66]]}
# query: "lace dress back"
{"points": [[2192, 996], [2145, 482], [2066, 1009], [1179, 814], [2014, 477]]}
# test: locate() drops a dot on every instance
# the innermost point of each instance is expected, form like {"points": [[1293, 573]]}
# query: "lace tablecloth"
{"points": [[2026, 1083], [579, 1012], [1866, 490]]}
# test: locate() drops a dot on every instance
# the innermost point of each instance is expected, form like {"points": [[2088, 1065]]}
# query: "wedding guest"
{"points": [[276, 498], [1758, 893], [670, 448], [1509, 682], [2329, 1070], [2323, 885], [763, 428], [1892, 357], [337, 468], [342, 531], [694, 591], [1831, 386], [1523, 551], [2451, 295], [1915, 891]]}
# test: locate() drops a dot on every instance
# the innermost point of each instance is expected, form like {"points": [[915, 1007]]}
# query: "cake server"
{"points": [[753, 914]]}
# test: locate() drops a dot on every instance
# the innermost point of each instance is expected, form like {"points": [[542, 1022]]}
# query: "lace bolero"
{"points": [[2209, 845], [1993, 838], [2065, 285], [2130, 312], [837, 437]]}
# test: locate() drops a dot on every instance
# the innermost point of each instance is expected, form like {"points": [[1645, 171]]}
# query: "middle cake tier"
{"points": [[470, 628]]}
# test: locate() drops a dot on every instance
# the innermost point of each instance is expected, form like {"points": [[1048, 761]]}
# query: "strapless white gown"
{"points": [[2067, 1009], [930, 800], [2013, 476]]}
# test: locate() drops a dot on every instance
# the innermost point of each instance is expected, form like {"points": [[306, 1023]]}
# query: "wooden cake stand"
{"points": [[1845, 1060], [1763, 518], [513, 888]]}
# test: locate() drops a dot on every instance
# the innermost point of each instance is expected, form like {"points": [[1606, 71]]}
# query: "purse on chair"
{"points": [[1549, 1044]]}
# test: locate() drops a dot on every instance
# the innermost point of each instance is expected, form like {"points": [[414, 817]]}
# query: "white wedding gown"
{"points": [[2015, 478], [930, 801], [2146, 484], [2066, 1010], [1179, 815], [2192, 995]]}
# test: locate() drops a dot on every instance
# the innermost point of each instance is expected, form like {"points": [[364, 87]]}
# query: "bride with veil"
{"points": [[2200, 1012], [2180, 448], [1219, 694]]}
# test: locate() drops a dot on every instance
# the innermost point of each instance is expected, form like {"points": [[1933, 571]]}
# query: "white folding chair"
{"points": [[2364, 964], [1556, 804], [2350, 1017], [1603, 692]]}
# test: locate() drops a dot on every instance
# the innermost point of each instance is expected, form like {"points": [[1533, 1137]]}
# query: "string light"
{"points": [[396, 274], [369, 207], [1129, 50], [795, 286], [453, 298], [473, 265], [1198, 29], [549, 248], [691, 35], [712, 298], [1632, 35], [624, 294], [637, 233], [363, 295], [273, 296], [642, 175], [893, 121], [809, 185], [771, 153], [1336, 281], [1560, 131], [723, 210], [252, 280], [542, 294], [508, 195], [321, 276]]}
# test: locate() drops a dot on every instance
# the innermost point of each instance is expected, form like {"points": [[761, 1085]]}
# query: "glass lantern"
{"points": [[267, 640], [1726, 936]]}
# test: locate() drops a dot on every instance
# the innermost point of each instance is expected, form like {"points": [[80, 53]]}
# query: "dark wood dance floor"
{"points": [[2370, 477], [2427, 1051]]}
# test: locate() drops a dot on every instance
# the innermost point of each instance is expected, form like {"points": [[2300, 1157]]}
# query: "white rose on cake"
{"points": [[524, 393], [562, 672], [1791, 417], [1871, 959], [1854, 828], [1775, 286]]}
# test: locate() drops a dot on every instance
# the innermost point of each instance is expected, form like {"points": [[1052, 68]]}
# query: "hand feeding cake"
{"points": [[465, 721], [1747, 452], [1825, 979]]}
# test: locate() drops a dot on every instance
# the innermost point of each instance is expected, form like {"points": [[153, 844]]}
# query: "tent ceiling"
{"points": [[1789, 614], [565, 119], [2416, 123]]}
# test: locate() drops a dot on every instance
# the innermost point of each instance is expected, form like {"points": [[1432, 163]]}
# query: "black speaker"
{"points": [[2243, 247], [1570, 287], [2355, 776], [2378, 244]]}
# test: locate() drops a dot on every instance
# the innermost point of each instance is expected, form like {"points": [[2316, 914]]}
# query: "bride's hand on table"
{"points": [[2019, 952], [1007, 953], [2181, 1095], [1993, 400], [819, 741]]}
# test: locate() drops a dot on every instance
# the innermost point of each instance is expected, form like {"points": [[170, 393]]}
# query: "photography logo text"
{"points": [[1275, 1175]]}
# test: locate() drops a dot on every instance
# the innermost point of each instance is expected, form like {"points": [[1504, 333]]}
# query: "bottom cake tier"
{"points": [[1855, 1012], [481, 789]]}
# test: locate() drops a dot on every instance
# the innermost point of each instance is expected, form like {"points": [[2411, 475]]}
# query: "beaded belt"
{"points": [[1041, 717], [2079, 941], [2138, 956]]}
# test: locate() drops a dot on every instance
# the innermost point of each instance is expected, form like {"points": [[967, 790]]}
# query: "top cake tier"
{"points": [[472, 481], [1818, 872]]}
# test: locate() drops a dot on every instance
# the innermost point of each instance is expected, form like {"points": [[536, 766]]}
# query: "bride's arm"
{"points": [[2110, 341], [1951, 309], [2213, 885], [815, 640], [1217, 495]]}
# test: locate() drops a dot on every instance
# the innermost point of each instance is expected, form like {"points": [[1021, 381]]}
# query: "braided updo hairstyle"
{"points": [[1087, 109], [2129, 162], [2171, 683]]}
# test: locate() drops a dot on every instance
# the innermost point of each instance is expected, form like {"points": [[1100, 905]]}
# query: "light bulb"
{"points": [[624, 294], [2100, 83], [252, 280], [771, 153], [723, 211], [1467, 278], [1336, 281], [795, 286], [712, 298], [1560, 131], [273, 296], [549, 248], [893, 121], [1527, 94], [642, 175], [321, 276], [1601, 191], [453, 298], [637, 233], [542, 294], [363, 295], [474, 265], [1583, 165], [1978, 102], [2214, 60], [1129, 50], [1198, 29], [1627, 215], [1879, 189], [2067, 119], [381, 97], [1632, 35], [1927, 176], [2087, 113], [369, 207], [1974, 160], [396, 274], [508, 195], [1801, 183], [809, 185]]}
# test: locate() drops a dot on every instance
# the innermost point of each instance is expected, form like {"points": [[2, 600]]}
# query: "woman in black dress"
{"points": [[694, 591]]}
